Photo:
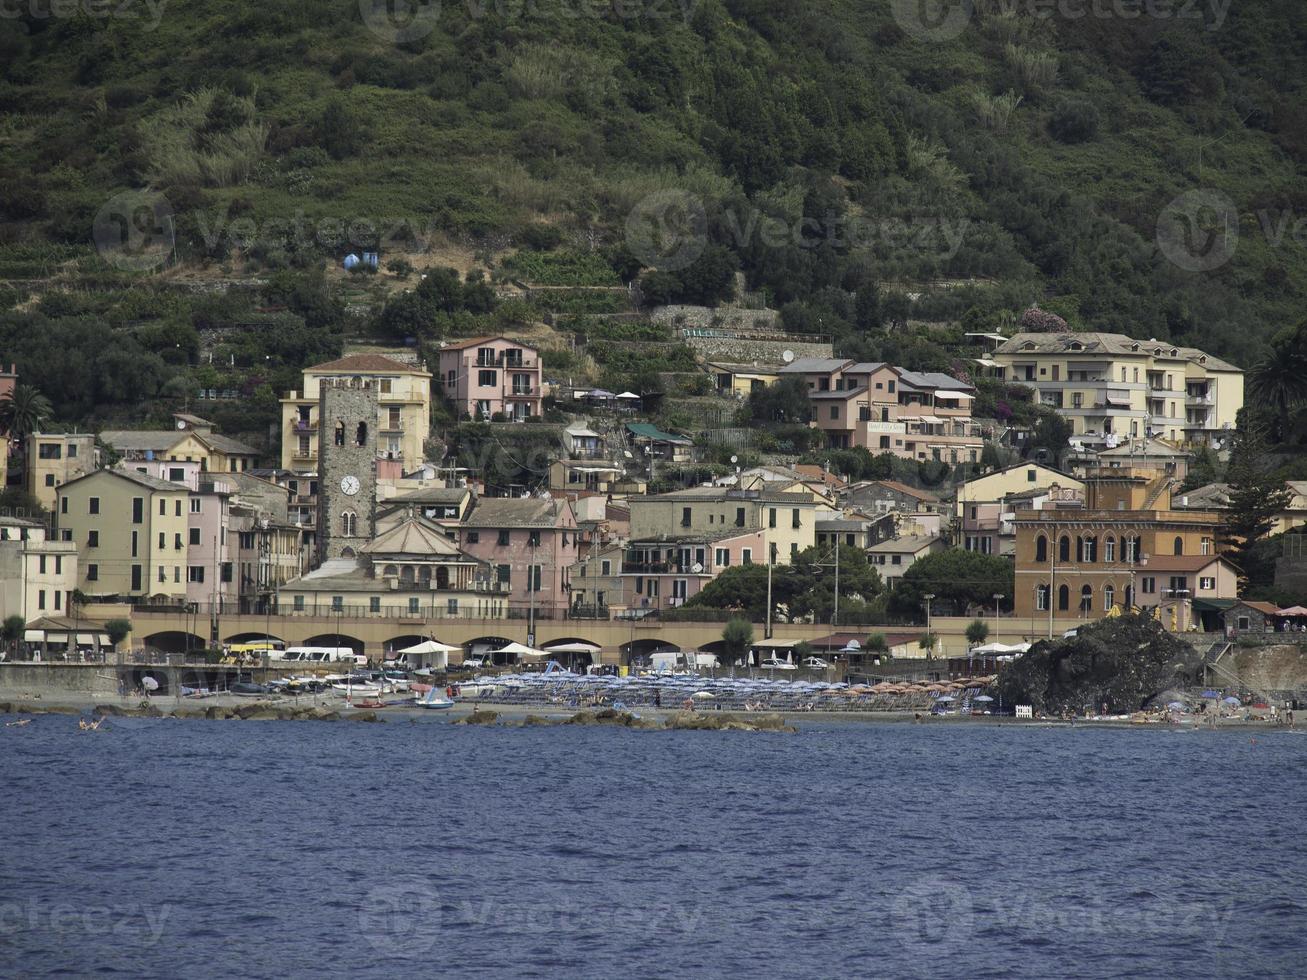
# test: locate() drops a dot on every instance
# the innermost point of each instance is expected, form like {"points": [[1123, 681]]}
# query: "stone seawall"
{"points": [[60, 678]]}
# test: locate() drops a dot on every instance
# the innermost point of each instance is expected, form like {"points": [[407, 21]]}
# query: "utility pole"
{"points": [[531, 582], [771, 561], [835, 615]]}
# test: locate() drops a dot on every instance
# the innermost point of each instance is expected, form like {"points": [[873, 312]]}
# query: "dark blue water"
{"points": [[169, 848]]}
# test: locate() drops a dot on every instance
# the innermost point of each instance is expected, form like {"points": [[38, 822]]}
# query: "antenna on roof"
{"points": [[788, 356]]}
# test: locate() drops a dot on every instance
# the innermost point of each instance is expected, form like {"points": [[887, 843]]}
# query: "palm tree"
{"points": [[1280, 381], [24, 410]]}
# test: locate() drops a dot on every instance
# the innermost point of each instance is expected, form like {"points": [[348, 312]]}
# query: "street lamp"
{"points": [[998, 597], [926, 599]]}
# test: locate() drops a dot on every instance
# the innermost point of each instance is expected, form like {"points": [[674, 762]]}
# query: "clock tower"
{"points": [[347, 466]]}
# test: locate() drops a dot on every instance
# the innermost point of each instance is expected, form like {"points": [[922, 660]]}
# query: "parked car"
{"points": [[815, 663], [772, 663]]}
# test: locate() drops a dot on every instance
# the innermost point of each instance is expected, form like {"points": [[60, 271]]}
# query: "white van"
{"points": [[325, 655]]}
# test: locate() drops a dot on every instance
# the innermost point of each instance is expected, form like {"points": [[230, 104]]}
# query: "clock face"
{"points": [[350, 485]]}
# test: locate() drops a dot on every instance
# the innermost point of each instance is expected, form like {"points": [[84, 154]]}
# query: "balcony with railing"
{"points": [[522, 391]]}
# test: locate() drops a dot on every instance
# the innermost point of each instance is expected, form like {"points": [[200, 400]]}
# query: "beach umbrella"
{"points": [[983, 697], [1231, 701], [946, 697], [701, 695], [149, 683]]}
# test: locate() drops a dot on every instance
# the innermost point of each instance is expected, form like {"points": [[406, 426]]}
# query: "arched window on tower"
{"points": [[348, 523], [340, 433], [1179, 545], [361, 436]]}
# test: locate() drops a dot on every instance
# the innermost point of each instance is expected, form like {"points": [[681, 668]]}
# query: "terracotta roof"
{"points": [[478, 341], [364, 363], [414, 537], [500, 512], [1269, 608], [903, 488]]}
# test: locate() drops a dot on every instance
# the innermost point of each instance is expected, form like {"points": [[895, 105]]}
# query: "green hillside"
{"points": [[860, 177]]}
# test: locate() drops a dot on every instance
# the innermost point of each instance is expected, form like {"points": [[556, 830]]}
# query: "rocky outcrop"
{"points": [[142, 710], [1122, 662], [478, 718], [716, 722]]}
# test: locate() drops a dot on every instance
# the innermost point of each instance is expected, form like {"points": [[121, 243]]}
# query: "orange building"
{"points": [[1125, 548]]}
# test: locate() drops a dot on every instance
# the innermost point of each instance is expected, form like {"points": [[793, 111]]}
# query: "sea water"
{"points": [[165, 848]]}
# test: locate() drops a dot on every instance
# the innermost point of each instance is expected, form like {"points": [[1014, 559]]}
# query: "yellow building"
{"points": [[1111, 387], [403, 412], [191, 440], [131, 530], [55, 458], [37, 574], [740, 380], [788, 521]]}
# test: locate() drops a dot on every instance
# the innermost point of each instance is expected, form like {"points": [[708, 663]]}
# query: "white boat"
{"points": [[435, 700], [360, 691]]}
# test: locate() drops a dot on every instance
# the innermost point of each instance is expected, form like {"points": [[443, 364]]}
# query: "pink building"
{"points": [[883, 408], [210, 550], [662, 573], [530, 543], [488, 376]]}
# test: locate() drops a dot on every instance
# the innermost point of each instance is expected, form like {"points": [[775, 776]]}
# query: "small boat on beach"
{"points": [[434, 700], [244, 689]]}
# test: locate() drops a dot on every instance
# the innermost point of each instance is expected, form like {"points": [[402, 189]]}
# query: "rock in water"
{"points": [[1122, 662], [719, 722], [479, 718]]}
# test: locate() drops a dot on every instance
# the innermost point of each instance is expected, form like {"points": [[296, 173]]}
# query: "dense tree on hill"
{"points": [[1256, 495]]}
